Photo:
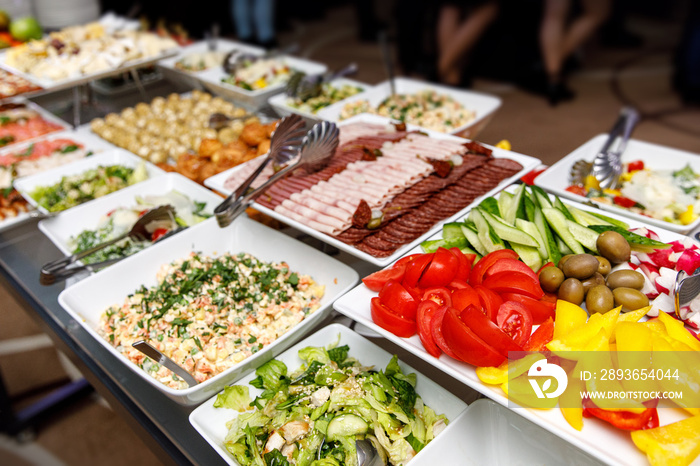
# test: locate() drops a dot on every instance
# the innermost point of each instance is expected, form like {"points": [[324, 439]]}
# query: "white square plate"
{"points": [[484, 105], [61, 228], [217, 183], [212, 80], [87, 300], [110, 157], [210, 422], [612, 446], [556, 178]]}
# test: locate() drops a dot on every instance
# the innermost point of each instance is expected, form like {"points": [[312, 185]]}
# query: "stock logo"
{"points": [[542, 368]]}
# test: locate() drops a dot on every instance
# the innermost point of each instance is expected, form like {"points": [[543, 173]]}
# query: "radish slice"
{"points": [[651, 272], [663, 258], [662, 303], [689, 261], [666, 280]]}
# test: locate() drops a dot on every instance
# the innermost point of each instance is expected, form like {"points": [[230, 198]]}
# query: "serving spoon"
{"points": [[150, 351], [305, 86]]}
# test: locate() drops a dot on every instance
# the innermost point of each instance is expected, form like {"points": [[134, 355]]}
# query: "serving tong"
{"points": [[61, 269], [237, 57], [685, 290], [311, 152], [607, 165], [304, 86], [153, 353]]}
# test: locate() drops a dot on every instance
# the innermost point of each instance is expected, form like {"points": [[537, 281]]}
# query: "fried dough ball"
{"points": [[264, 147], [234, 151], [253, 134], [207, 171], [209, 146], [190, 165]]}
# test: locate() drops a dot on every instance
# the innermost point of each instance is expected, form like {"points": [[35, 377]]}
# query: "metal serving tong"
{"points": [[165, 361], [237, 57], [686, 288], [60, 269], [317, 148], [607, 165], [305, 86]]}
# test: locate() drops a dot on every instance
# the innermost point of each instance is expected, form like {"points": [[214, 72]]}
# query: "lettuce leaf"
{"points": [[234, 397]]}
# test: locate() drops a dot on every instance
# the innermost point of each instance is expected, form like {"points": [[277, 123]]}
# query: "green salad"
{"points": [[329, 95], [313, 416], [75, 189]]}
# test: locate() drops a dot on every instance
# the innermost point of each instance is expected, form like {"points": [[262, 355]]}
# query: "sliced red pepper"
{"points": [[388, 320], [576, 189], [436, 325], [635, 166], [508, 265], [465, 344], [529, 178], [541, 336], [624, 202], [426, 312], [541, 310], [476, 277], [488, 331], [394, 296], [490, 301], [441, 270], [158, 233], [514, 282], [415, 268], [376, 281], [624, 420]]}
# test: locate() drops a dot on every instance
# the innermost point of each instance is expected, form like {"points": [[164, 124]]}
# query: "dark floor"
{"points": [[90, 433]]}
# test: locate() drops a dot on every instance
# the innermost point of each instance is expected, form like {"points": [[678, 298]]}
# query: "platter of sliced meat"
{"points": [[386, 189]]}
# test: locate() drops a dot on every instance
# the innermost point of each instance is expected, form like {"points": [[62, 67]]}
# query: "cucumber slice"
{"points": [[473, 239], [637, 242], [557, 220], [529, 207], [585, 236], [467, 250], [531, 229], [510, 214], [542, 197], [490, 241], [584, 218], [433, 245], [560, 205], [509, 233], [563, 248], [490, 205], [345, 425], [612, 221], [452, 230], [504, 199], [552, 250], [530, 256]]}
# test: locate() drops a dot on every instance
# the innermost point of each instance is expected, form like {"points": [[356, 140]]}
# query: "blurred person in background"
{"points": [[559, 40], [458, 34], [255, 21]]}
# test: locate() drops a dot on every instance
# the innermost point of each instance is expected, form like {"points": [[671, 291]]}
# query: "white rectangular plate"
{"points": [[61, 228], [484, 105], [87, 300], [279, 101], [210, 422], [598, 439], [45, 114], [217, 182], [556, 178], [110, 157], [212, 80]]}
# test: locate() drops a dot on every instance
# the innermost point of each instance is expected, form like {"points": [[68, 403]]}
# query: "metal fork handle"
{"points": [[631, 119], [348, 70], [55, 267], [49, 278]]}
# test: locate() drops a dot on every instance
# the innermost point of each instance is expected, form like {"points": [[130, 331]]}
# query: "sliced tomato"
{"points": [[488, 331], [417, 293], [439, 294], [541, 336], [490, 301], [576, 189], [436, 330], [529, 178], [624, 420], [624, 202], [635, 166], [506, 265], [476, 276], [457, 284], [441, 270], [548, 264], [415, 268], [394, 296], [426, 312], [465, 297], [388, 320], [540, 310], [376, 281], [514, 282], [158, 233], [465, 263], [465, 344], [515, 320], [405, 260]]}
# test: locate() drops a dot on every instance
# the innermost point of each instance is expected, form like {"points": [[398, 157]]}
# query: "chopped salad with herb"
{"points": [[330, 94], [322, 408], [120, 220], [671, 196], [73, 190], [210, 313], [260, 73]]}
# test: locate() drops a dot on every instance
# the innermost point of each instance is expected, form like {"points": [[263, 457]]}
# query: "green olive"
{"points": [[563, 260], [625, 279], [551, 278], [630, 299], [580, 266], [571, 290], [599, 299], [604, 266], [590, 282], [613, 246]]}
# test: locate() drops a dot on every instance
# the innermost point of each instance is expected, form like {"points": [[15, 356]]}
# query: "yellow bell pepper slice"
{"points": [[568, 316], [579, 337], [609, 320], [570, 403], [677, 331], [493, 375], [633, 316], [591, 183], [674, 444], [503, 144], [688, 217], [633, 336]]}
